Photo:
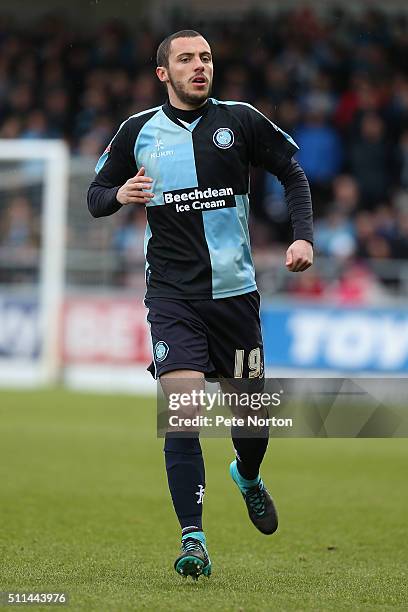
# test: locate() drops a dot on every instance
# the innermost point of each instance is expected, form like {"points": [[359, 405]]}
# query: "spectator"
{"points": [[94, 104], [320, 152], [370, 160], [334, 235], [12, 127], [361, 96], [56, 108], [370, 241], [403, 159], [400, 245], [346, 194], [36, 125], [356, 286], [18, 226], [307, 286]]}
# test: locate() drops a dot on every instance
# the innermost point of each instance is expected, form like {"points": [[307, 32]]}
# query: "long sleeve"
{"points": [[114, 168], [102, 201], [298, 199], [272, 149]]}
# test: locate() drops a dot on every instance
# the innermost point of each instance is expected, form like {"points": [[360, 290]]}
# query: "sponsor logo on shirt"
{"points": [[191, 200], [160, 152]]}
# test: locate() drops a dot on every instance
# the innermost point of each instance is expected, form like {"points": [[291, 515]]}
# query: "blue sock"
{"points": [[186, 478]]}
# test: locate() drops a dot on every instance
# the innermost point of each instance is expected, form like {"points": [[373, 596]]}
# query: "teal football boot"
{"points": [[261, 508], [194, 559]]}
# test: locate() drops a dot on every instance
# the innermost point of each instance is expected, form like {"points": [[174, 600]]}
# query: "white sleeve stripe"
{"points": [[103, 157]]}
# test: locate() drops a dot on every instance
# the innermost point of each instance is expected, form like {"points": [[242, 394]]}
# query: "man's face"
{"points": [[190, 72]]}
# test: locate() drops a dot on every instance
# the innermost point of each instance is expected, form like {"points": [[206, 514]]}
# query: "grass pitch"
{"points": [[85, 509]]}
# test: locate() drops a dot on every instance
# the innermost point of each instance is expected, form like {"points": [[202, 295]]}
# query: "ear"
{"points": [[162, 74]]}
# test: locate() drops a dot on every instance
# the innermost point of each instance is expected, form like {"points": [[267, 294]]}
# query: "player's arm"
{"points": [[273, 150], [299, 255], [118, 181]]}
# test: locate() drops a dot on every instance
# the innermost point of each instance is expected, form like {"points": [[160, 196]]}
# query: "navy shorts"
{"points": [[221, 338]]}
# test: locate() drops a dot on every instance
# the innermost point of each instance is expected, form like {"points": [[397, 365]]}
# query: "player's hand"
{"points": [[299, 256], [132, 192]]}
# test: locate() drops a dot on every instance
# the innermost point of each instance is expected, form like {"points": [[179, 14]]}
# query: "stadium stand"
{"points": [[339, 87]]}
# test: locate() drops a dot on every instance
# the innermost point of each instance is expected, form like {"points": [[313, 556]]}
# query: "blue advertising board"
{"points": [[329, 338]]}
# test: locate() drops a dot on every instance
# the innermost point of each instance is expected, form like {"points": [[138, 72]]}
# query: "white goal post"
{"points": [[50, 289]]}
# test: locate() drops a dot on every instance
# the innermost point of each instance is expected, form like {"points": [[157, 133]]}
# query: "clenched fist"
{"points": [[299, 256], [132, 192]]}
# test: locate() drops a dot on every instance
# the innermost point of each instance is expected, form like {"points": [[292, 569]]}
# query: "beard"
{"points": [[194, 99]]}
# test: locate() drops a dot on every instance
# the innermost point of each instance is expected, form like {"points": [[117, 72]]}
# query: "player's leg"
{"points": [[251, 442], [183, 455], [180, 357], [236, 349], [186, 477], [250, 446]]}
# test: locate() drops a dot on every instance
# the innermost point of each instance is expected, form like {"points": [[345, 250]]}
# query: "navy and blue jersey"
{"points": [[197, 242]]}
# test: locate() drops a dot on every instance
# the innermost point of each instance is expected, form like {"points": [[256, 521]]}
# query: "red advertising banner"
{"points": [[105, 330]]}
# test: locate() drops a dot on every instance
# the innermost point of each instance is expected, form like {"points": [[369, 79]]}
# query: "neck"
{"points": [[176, 103]]}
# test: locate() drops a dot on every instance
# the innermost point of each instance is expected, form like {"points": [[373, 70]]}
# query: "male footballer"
{"points": [[188, 162]]}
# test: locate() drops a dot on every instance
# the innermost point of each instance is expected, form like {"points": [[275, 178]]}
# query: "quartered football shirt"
{"points": [[197, 240]]}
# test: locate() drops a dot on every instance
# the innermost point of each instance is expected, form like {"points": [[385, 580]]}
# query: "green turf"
{"points": [[84, 508]]}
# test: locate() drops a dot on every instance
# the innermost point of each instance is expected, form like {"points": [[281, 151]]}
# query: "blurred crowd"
{"points": [[337, 83]]}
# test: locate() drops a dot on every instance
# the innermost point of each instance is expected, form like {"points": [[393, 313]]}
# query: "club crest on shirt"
{"points": [[223, 138], [161, 350]]}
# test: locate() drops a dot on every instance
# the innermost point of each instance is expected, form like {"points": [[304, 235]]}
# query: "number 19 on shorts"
{"points": [[255, 363]]}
